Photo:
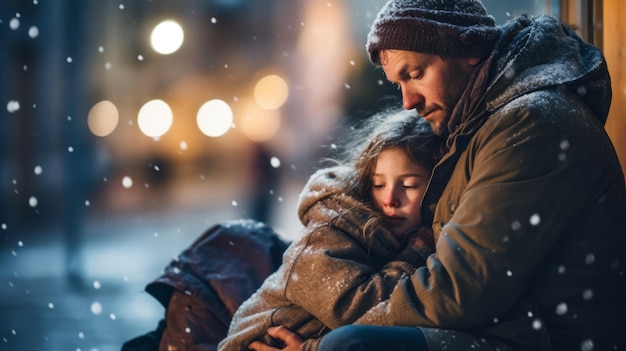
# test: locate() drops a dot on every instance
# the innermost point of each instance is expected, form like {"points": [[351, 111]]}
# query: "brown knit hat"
{"points": [[443, 27]]}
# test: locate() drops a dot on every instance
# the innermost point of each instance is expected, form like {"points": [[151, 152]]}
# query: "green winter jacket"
{"points": [[530, 242], [330, 275]]}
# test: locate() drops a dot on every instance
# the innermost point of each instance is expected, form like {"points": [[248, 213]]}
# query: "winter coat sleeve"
{"points": [[330, 275], [338, 275]]}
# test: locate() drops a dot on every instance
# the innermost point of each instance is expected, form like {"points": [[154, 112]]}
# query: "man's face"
{"points": [[430, 84]]}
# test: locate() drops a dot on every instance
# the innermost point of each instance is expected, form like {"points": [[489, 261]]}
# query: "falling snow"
{"points": [[535, 219], [13, 106], [33, 32], [586, 345], [127, 182], [561, 309], [96, 308], [537, 324], [14, 23], [516, 225], [275, 162]]}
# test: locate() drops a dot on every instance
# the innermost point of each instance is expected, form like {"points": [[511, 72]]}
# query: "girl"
{"points": [[363, 233]]}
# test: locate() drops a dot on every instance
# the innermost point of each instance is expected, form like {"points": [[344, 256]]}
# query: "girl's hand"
{"points": [[291, 339]]}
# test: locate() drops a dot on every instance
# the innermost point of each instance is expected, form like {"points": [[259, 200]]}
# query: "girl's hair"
{"points": [[390, 128], [400, 129]]}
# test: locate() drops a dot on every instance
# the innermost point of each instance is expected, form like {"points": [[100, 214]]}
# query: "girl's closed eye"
{"points": [[412, 184]]}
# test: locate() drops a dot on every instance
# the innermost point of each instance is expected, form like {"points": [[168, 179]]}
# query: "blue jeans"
{"points": [[367, 337]]}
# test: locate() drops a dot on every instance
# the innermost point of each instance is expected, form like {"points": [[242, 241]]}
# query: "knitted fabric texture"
{"points": [[459, 28]]}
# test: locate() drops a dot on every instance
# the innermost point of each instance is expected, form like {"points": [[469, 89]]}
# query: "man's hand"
{"points": [[291, 339]]}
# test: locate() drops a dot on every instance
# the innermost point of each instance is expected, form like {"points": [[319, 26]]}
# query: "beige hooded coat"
{"points": [[330, 275]]}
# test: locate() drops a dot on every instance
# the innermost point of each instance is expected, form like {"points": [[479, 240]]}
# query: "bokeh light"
{"points": [[155, 118], [271, 92], [103, 118], [167, 37], [259, 124], [214, 118]]}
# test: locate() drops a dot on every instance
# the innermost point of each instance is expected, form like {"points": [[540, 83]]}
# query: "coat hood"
{"points": [[323, 184], [324, 202], [542, 53]]}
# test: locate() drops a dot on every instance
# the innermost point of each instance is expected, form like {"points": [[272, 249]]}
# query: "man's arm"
{"points": [[512, 197]]}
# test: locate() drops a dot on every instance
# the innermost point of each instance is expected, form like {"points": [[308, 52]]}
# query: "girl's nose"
{"points": [[391, 200]]}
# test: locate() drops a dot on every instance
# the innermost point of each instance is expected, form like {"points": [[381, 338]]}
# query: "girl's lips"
{"points": [[394, 218]]}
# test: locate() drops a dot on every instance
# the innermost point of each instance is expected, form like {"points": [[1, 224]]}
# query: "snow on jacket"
{"points": [[530, 240], [330, 275]]}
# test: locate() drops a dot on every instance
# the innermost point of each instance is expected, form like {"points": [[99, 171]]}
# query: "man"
{"points": [[527, 201]]}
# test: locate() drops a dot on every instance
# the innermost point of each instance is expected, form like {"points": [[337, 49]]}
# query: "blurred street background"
{"points": [[127, 128]]}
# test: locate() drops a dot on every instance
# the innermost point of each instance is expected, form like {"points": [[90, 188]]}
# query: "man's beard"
{"points": [[440, 128]]}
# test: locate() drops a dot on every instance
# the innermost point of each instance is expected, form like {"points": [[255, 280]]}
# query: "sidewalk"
{"points": [[43, 310]]}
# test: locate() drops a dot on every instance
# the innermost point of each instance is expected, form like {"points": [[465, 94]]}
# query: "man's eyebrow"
{"points": [[397, 72], [403, 69]]}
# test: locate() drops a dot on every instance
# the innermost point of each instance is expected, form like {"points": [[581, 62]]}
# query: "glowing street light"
{"points": [[167, 37], [155, 118], [214, 118], [103, 118], [271, 92]]}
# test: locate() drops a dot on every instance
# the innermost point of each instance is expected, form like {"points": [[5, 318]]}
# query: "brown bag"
{"points": [[203, 287]]}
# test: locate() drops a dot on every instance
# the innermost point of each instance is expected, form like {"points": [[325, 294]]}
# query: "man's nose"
{"points": [[411, 98]]}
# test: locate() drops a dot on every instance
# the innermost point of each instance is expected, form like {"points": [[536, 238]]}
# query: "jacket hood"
{"points": [[323, 184], [323, 202], [540, 53]]}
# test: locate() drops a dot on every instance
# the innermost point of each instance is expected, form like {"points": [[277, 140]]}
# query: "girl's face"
{"points": [[398, 185]]}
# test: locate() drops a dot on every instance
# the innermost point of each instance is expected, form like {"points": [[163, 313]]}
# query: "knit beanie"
{"points": [[460, 28]]}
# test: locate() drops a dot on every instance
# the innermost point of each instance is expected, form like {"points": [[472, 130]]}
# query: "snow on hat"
{"points": [[459, 28]]}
